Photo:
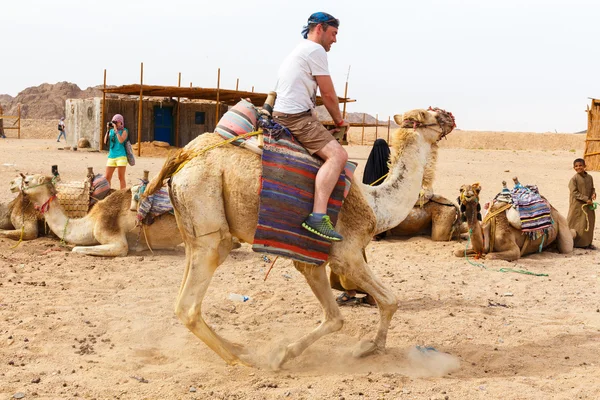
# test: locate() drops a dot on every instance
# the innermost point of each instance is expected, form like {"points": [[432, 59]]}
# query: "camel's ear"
{"points": [[398, 119], [40, 180]]}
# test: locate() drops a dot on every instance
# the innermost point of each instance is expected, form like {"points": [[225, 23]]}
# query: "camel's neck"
{"points": [[393, 199], [77, 231], [475, 229]]}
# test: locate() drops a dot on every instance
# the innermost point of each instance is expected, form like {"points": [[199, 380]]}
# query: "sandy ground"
{"points": [[75, 326]]}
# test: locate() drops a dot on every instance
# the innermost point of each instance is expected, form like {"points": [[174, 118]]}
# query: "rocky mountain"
{"points": [[46, 101]]}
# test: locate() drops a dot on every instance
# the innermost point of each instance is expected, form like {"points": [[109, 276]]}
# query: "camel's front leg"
{"points": [[316, 277], [352, 264], [203, 256], [119, 248]]}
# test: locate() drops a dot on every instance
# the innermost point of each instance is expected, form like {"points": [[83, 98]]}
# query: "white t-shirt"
{"points": [[296, 84]]}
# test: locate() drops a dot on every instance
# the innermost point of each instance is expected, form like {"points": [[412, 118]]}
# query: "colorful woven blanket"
{"points": [[155, 205], [287, 188], [286, 199], [533, 209]]}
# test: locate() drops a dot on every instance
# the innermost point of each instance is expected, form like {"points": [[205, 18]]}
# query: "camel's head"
{"points": [[469, 194], [38, 186], [433, 123], [15, 184]]}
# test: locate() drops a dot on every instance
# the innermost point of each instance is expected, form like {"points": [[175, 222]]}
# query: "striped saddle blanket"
{"points": [[286, 199], [533, 209], [287, 190]]}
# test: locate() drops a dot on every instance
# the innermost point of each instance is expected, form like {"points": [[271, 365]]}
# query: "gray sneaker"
{"points": [[322, 227]]}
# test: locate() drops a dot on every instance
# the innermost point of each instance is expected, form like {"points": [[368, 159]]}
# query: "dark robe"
{"points": [[377, 166], [581, 189]]}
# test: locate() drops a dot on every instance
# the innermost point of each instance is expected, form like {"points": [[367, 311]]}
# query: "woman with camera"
{"points": [[116, 136]]}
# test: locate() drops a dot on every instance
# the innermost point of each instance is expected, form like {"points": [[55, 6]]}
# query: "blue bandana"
{"points": [[319, 18]]}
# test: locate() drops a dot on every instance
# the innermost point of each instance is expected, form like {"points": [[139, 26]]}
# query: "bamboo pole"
{"points": [[177, 117], [345, 97], [362, 138], [139, 140], [389, 124], [218, 87], [19, 124], [102, 112]]}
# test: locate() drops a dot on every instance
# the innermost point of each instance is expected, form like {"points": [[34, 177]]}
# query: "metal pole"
{"points": [[139, 141], [177, 117], [102, 111], [362, 138], [218, 86]]}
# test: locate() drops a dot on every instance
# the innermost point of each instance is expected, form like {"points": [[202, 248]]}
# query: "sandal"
{"points": [[345, 299]]}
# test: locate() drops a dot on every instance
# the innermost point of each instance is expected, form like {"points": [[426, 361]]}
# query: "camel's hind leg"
{"points": [[316, 277], [203, 255]]}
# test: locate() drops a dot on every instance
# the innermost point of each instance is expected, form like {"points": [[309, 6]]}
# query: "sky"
{"points": [[510, 65]]}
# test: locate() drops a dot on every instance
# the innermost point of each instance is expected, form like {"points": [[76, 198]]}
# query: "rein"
{"points": [[44, 207]]}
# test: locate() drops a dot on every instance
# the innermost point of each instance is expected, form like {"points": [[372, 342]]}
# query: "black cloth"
{"points": [[377, 162]]}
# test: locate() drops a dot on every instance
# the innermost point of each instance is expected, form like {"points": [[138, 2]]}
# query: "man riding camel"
{"points": [[301, 73]]}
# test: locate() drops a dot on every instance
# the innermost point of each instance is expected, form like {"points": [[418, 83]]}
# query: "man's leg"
{"points": [[318, 221], [335, 157]]}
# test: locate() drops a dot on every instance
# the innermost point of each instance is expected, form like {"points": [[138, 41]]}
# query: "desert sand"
{"points": [[74, 326]]}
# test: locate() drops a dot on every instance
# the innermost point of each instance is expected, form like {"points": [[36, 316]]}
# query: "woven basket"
{"points": [[74, 198]]}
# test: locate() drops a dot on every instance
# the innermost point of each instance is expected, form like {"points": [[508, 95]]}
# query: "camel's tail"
{"points": [[175, 160]]}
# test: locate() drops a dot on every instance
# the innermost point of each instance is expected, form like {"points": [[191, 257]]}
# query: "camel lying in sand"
{"points": [[215, 196], [19, 220], [110, 229], [507, 243]]}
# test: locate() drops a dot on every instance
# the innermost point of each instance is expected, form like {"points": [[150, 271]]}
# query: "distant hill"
{"points": [[46, 101], [353, 117]]}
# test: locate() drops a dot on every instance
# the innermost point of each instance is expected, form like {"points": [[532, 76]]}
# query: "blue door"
{"points": [[163, 124]]}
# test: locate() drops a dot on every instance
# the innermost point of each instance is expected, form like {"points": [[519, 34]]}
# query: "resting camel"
{"points": [[19, 220], [109, 229], [509, 243], [215, 196], [438, 216]]}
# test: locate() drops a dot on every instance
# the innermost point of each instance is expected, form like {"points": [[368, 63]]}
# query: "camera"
{"points": [[110, 124]]}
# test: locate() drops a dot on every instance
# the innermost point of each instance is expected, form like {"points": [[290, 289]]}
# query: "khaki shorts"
{"points": [[307, 128]]}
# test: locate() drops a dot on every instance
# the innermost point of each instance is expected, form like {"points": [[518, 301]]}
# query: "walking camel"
{"points": [[215, 196]]}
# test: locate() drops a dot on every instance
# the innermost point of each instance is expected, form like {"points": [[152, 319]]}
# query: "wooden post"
{"points": [[389, 123], [19, 124], [177, 117], [102, 112], [252, 89], [376, 125], [218, 87], [190, 84], [237, 84], [362, 138], [139, 140], [345, 97]]}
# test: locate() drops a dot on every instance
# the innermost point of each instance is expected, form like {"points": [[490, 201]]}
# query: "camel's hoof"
{"points": [[277, 357], [364, 348]]}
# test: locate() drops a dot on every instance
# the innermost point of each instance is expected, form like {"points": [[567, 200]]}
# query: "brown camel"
{"points": [[215, 196], [19, 220], [110, 229], [507, 243]]}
